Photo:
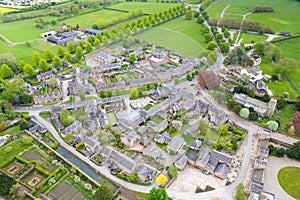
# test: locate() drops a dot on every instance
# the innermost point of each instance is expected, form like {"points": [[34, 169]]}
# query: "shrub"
{"points": [[244, 112], [273, 125]]}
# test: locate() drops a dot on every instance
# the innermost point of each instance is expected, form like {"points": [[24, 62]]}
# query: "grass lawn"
{"points": [[173, 34], [212, 135], [87, 20], [252, 38], [289, 179], [148, 7], [11, 131], [157, 120], [17, 147], [143, 196], [279, 87], [148, 106], [216, 10], [290, 48], [188, 139]]}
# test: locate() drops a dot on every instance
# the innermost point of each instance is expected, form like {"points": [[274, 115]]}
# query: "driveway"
{"points": [[271, 183]]}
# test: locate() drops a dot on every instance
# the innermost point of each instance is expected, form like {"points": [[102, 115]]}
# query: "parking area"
{"points": [[189, 179], [271, 183]]}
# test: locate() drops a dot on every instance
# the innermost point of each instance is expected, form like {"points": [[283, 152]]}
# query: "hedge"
{"points": [[50, 176]]}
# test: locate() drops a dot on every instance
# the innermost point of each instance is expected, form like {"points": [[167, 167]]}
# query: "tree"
{"points": [[96, 43], [21, 65], [226, 34], [53, 82], [65, 118], [161, 180], [294, 151], [253, 116], [56, 61], [90, 39], [5, 71], [103, 193], [106, 33], [79, 52], [109, 93], [48, 55], [134, 93], [224, 47], [172, 171], [219, 37], [211, 46], [208, 37], [75, 9], [29, 71], [200, 20], [239, 195], [60, 51], [70, 47], [244, 112], [6, 183], [68, 56], [35, 58], [286, 66], [132, 58], [188, 15], [280, 104], [27, 140], [189, 77], [82, 96], [158, 194], [24, 124], [259, 48], [203, 127], [102, 94], [43, 66], [88, 47], [105, 40], [99, 36], [176, 80], [80, 43], [273, 125], [296, 121]]}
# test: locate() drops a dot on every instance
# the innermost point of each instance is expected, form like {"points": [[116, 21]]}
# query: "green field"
{"points": [[87, 20], [252, 38], [179, 34], [148, 7], [290, 48], [289, 179], [284, 18], [5, 10]]}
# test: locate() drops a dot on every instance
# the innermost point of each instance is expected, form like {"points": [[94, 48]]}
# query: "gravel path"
{"points": [[271, 183]]}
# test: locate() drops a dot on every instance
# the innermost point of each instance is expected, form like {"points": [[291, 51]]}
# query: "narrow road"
{"points": [[241, 26], [222, 15]]}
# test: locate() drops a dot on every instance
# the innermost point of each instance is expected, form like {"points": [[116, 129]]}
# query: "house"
{"points": [[146, 172], [105, 58], [134, 119], [192, 156], [4, 139], [214, 162], [144, 141], [45, 76], [37, 128], [115, 159], [163, 138], [73, 128], [183, 69], [92, 143], [162, 92], [261, 108], [191, 129], [77, 86], [208, 79], [57, 124], [46, 98], [261, 195], [142, 81], [47, 34], [130, 139], [196, 144], [175, 144], [254, 73], [286, 34], [217, 116], [181, 162], [158, 127], [92, 31]]}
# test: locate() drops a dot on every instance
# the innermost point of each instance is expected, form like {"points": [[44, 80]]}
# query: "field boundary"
{"points": [[285, 38]]}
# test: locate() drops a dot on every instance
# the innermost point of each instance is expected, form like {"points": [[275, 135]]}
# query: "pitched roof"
{"points": [[192, 155], [208, 79]]}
